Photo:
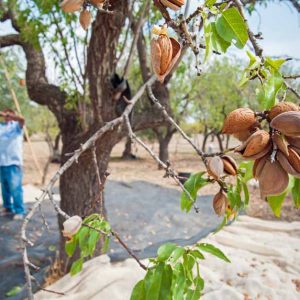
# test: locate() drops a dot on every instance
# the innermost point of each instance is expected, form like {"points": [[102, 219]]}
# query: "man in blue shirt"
{"points": [[11, 161]]}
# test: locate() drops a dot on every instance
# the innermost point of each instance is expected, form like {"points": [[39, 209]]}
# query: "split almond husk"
{"points": [[165, 52], [258, 166], [85, 19], [293, 141], [286, 165], [239, 120], [287, 123], [294, 159], [97, 3], [70, 6], [72, 226], [273, 179], [280, 108], [215, 167], [242, 135], [220, 203], [173, 4], [257, 145], [230, 166], [281, 143]]}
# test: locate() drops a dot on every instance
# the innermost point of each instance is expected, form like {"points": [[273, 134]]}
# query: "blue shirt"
{"points": [[11, 144]]}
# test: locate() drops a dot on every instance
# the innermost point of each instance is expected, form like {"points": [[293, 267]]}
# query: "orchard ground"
{"points": [[182, 158], [143, 207]]}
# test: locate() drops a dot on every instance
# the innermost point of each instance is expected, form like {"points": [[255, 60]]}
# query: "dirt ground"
{"points": [[182, 159]]}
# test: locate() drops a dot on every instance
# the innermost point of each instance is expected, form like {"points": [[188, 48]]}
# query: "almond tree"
{"points": [[90, 131]]}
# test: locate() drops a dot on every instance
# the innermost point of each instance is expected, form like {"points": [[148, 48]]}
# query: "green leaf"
{"points": [[274, 63], [210, 3], [275, 203], [164, 251], [218, 43], [207, 36], [179, 283], [296, 192], [106, 244], [166, 283], [213, 250], [245, 168], [176, 254], [76, 266], [271, 88], [246, 193], [195, 294], [14, 291], [92, 241], [138, 292], [231, 27], [160, 283], [70, 246], [192, 185], [197, 254]]}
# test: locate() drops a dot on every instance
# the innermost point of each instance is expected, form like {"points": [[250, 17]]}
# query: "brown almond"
{"points": [[258, 142], [71, 6], [273, 179], [97, 3], [285, 164], [239, 120], [294, 159], [230, 166], [280, 108], [215, 167], [281, 143], [220, 203], [165, 52], [258, 166], [173, 4], [287, 123], [85, 19], [293, 141]]}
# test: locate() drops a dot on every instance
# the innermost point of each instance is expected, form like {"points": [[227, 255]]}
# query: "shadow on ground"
{"points": [[145, 215]]}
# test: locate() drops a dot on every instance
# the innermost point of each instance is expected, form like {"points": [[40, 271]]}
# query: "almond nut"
{"points": [[239, 120], [215, 167], [220, 203], [280, 108], [70, 6], [287, 123]]}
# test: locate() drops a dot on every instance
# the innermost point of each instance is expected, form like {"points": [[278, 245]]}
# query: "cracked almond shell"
{"points": [[240, 119], [230, 166], [273, 179], [71, 6], [280, 108], [287, 123]]}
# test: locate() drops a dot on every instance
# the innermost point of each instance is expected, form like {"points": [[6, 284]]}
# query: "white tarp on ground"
{"points": [[265, 265]]}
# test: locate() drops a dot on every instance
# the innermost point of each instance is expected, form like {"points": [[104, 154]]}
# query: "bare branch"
{"points": [[10, 40]]}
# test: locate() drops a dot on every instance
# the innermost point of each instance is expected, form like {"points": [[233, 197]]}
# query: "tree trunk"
{"points": [[164, 141], [79, 187], [127, 153]]}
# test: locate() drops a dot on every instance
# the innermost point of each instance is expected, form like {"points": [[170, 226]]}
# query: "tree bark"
{"points": [[127, 153]]}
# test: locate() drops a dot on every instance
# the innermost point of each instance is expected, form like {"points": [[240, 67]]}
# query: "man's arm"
{"points": [[13, 117]]}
